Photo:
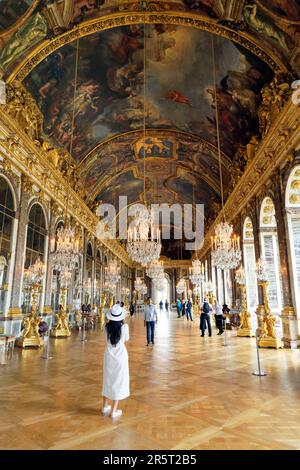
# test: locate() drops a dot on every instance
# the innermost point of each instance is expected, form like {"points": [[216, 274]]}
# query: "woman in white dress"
{"points": [[115, 366]]}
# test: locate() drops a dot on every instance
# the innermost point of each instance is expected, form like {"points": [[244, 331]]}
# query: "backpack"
{"points": [[206, 308]]}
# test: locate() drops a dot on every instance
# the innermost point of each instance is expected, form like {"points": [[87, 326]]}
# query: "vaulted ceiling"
{"points": [[251, 40]]}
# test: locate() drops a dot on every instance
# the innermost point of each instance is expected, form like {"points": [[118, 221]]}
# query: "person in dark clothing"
{"points": [[205, 318], [131, 309], [183, 308], [161, 304], [189, 307], [166, 305], [225, 310]]}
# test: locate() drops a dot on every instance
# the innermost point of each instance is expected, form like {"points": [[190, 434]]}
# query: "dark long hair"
{"points": [[113, 330]]}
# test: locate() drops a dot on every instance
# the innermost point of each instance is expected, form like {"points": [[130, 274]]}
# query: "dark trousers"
{"points": [[205, 319], [150, 326], [219, 323], [189, 314]]}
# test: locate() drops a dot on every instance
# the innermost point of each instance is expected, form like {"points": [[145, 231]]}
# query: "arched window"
{"points": [[36, 235], [270, 252], [7, 216], [292, 204], [249, 264]]}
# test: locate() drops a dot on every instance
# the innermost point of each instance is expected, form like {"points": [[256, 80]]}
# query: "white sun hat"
{"points": [[116, 313]]}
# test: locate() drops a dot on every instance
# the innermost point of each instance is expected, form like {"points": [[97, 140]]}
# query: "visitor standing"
{"points": [[150, 321], [178, 306], [189, 308], [205, 318], [161, 305], [167, 306], [115, 366], [219, 317], [131, 309]]}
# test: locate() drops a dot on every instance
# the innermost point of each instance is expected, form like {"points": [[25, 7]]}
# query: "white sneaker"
{"points": [[116, 414], [106, 409]]}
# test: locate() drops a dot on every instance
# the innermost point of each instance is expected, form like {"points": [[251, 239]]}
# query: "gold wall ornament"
{"points": [[62, 328], [187, 19], [22, 107], [30, 334]]}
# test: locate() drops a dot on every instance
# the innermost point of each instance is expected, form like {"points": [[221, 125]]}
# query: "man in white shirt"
{"points": [[150, 320]]}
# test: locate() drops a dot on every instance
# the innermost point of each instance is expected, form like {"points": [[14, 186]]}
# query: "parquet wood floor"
{"points": [[186, 393]]}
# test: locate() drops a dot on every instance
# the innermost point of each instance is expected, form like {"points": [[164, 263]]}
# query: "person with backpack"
{"points": [[205, 318]]}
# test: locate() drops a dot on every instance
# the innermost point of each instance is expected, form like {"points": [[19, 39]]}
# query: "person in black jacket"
{"points": [[131, 309], [205, 318]]}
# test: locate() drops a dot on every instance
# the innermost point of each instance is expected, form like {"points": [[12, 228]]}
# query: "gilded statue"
{"points": [[62, 322], [270, 324], [29, 34]]}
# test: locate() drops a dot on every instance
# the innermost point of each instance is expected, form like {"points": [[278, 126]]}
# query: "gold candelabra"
{"points": [[30, 335], [267, 322], [61, 329], [245, 328]]}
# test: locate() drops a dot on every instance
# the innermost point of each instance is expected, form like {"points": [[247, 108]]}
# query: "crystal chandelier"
{"points": [[140, 286], [180, 287], [197, 272], [225, 247], [261, 271], [155, 270], [240, 276], [66, 255], [143, 246], [34, 274], [112, 272]]}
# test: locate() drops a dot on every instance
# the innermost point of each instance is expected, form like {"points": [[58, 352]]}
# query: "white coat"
{"points": [[115, 368]]}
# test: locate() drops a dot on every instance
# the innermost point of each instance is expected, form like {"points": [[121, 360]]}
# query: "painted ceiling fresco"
{"points": [[179, 87], [12, 10]]}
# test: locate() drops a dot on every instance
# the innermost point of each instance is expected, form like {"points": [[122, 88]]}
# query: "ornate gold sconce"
{"points": [[30, 335]]}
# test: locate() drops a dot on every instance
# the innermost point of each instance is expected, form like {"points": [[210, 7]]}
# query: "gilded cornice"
{"points": [[39, 171], [188, 19], [273, 152]]}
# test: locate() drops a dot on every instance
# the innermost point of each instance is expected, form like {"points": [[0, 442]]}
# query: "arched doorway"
{"points": [[270, 253], [250, 265], [161, 291], [292, 204]]}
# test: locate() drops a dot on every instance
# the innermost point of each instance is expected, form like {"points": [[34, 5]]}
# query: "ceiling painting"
{"points": [[179, 87], [11, 11]]}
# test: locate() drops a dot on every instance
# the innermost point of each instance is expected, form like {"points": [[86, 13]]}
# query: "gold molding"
{"points": [[187, 19]]}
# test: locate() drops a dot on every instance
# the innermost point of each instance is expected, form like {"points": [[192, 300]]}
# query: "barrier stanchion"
{"points": [[225, 331], [83, 332], [259, 372], [46, 354]]}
